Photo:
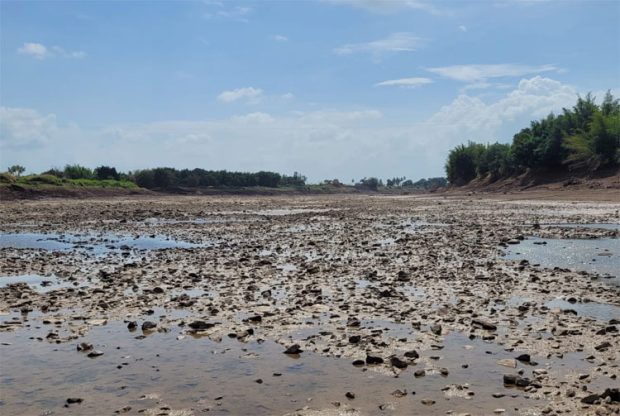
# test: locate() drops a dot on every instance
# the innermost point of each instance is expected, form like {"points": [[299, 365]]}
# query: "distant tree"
{"points": [[54, 172], [17, 170], [462, 163], [106, 172], [368, 183], [77, 172], [164, 177]]}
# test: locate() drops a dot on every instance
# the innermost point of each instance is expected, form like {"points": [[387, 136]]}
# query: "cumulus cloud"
{"points": [[396, 42], [25, 127], [247, 93], [322, 144], [40, 51], [405, 82], [474, 73], [35, 50]]}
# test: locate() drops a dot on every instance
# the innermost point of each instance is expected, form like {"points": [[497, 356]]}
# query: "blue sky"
{"points": [[334, 88]]}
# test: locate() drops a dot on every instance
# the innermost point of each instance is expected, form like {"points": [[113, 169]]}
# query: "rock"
{"points": [[148, 325], [484, 324], [524, 358], [353, 321], [201, 325], [428, 402], [132, 325], [94, 354], [293, 349], [354, 339], [412, 354], [603, 347], [370, 359], [591, 399], [507, 362], [398, 363], [350, 395], [399, 393], [359, 363], [72, 400], [510, 379], [158, 290], [613, 394], [420, 373], [84, 346], [436, 329]]}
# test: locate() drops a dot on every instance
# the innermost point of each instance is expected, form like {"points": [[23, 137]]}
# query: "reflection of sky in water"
{"points": [[35, 281], [595, 310], [97, 244], [592, 255]]}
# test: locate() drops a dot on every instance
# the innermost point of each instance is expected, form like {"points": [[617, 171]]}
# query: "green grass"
{"points": [[54, 181]]}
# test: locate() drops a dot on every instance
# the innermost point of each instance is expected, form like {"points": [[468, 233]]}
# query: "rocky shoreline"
{"points": [[359, 305]]}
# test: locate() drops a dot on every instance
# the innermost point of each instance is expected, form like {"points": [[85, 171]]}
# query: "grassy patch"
{"points": [[53, 181]]}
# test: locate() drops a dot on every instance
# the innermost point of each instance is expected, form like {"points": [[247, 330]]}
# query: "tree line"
{"points": [[162, 178], [586, 137]]}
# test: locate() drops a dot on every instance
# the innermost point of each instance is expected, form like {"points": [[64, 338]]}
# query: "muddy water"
{"points": [[219, 375]]}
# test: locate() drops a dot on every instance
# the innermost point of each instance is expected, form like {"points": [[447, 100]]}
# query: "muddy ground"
{"points": [[305, 305]]}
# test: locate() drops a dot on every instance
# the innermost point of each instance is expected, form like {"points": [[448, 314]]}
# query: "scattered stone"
{"points": [[293, 349]]}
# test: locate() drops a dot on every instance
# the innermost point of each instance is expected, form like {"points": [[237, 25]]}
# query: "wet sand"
{"points": [[398, 305]]}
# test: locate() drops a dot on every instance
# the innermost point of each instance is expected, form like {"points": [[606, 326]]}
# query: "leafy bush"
{"points": [[77, 172], [6, 177]]}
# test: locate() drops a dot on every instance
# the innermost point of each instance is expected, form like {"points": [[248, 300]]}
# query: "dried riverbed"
{"points": [[385, 305]]}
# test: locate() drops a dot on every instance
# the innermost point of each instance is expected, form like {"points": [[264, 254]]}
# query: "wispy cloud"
{"points": [[279, 38], [463, 28], [388, 6], [396, 42], [222, 11], [40, 51], [405, 82], [247, 93], [477, 73]]}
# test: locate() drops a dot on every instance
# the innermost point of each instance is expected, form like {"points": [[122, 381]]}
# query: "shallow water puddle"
{"points": [[600, 311], [41, 284], [93, 243], [227, 376], [601, 226], [600, 256]]}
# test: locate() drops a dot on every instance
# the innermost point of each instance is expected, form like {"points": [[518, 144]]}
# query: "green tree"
{"points": [[17, 170]]}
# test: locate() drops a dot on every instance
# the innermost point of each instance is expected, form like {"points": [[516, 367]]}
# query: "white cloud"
{"points": [[322, 144], [388, 6], [287, 96], [254, 118], [396, 42], [248, 93], [475, 73], [40, 51], [36, 50], [405, 82], [279, 38], [67, 54], [25, 127], [222, 11], [463, 28]]}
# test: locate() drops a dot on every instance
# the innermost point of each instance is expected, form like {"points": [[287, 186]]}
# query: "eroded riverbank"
{"points": [[416, 292]]}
